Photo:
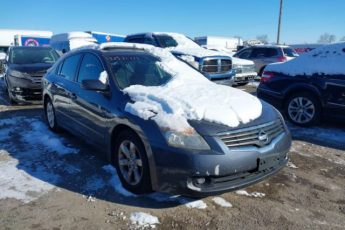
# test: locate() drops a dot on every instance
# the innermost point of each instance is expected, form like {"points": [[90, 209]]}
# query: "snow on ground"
{"points": [[291, 165], [189, 96], [222, 202], [327, 59], [143, 220], [252, 194]]}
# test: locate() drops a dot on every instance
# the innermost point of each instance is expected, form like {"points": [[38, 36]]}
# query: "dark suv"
{"points": [[88, 93], [25, 67]]}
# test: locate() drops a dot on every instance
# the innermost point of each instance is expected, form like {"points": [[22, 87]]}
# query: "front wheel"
{"points": [[303, 109], [131, 163]]}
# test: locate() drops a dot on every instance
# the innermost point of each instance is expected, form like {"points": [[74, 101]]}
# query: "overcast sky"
{"points": [[303, 20]]}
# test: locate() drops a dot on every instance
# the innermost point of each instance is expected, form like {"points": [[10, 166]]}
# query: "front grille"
{"points": [[36, 79], [216, 65], [259, 136]]}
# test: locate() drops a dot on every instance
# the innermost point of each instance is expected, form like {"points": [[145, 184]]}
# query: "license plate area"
{"points": [[268, 162]]}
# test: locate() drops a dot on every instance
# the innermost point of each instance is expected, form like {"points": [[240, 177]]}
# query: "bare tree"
{"points": [[326, 38], [263, 38]]}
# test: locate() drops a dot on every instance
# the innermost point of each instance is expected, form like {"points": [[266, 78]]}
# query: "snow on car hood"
{"points": [[328, 60], [189, 96]]}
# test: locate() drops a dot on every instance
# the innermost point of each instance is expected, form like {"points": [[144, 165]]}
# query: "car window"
{"points": [[137, 70], [264, 52], [69, 67], [166, 41], [24, 55], [137, 40], [245, 54], [290, 52], [90, 68]]}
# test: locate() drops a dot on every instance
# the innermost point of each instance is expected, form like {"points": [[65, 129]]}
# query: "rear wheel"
{"points": [[303, 109], [50, 115], [131, 163]]}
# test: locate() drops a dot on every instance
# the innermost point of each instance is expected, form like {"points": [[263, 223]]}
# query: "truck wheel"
{"points": [[131, 163], [303, 109]]}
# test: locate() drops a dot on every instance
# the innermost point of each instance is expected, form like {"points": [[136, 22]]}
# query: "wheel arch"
{"points": [[139, 132], [305, 89]]}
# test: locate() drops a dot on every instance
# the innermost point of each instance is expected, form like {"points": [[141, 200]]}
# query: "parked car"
{"points": [[216, 66], [161, 123], [309, 87], [25, 67], [263, 55], [65, 42], [244, 69]]}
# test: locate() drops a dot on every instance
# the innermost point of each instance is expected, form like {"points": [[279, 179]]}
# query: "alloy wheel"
{"points": [[50, 114], [130, 162], [301, 110]]}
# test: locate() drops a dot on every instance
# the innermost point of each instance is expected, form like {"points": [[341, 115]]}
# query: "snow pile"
{"points": [[189, 96], [18, 184], [115, 182], [198, 204], [144, 220], [222, 202], [327, 60], [252, 194], [41, 136]]}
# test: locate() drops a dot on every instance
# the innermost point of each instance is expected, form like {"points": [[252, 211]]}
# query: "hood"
{"points": [[28, 68], [196, 52], [206, 128], [239, 61]]}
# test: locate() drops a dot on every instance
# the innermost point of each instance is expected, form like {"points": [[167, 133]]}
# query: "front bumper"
{"points": [[224, 170], [222, 78], [24, 89], [244, 77]]}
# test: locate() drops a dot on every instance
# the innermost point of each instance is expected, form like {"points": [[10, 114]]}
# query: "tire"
{"points": [[129, 155], [49, 112], [303, 109], [242, 84]]}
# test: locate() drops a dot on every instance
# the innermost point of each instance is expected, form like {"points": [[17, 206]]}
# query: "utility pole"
{"points": [[280, 21]]}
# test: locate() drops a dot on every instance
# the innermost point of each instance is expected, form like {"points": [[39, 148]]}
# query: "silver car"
{"points": [[263, 55]]}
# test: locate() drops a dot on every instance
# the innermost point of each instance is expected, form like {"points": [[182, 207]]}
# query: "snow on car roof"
{"points": [[327, 60], [188, 96]]}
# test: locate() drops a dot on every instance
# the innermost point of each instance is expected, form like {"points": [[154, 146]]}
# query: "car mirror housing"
{"points": [[94, 85]]}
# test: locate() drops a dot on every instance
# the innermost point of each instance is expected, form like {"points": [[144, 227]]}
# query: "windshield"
{"points": [[138, 70], [30, 56], [174, 40], [290, 52]]}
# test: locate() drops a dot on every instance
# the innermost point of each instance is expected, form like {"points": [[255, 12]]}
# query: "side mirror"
{"points": [[94, 85]]}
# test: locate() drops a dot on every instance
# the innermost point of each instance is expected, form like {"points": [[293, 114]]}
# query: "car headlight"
{"points": [[186, 140], [237, 68], [16, 73]]}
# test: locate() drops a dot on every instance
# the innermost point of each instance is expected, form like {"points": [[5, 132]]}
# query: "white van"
{"points": [[65, 42]]}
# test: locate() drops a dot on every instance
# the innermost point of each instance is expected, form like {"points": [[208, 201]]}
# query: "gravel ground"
{"points": [[50, 181]]}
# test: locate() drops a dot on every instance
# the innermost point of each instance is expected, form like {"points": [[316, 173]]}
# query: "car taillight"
{"points": [[282, 59], [266, 76]]}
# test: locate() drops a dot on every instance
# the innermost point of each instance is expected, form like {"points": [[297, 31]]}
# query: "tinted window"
{"points": [[24, 55], [264, 52], [69, 67], [90, 68], [138, 70], [166, 41], [290, 52], [136, 40], [245, 54]]}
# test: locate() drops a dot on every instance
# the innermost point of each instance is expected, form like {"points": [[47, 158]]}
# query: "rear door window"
{"points": [[69, 67], [264, 52], [137, 40], [90, 68], [245, 54], [290, 52]]}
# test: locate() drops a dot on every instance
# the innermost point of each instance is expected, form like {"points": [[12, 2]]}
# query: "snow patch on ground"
{"points": [[143, 220], [18, 184], [291, 165], [190, 203], [222, 202], [115, 182], [252, 194], [198, 204]]}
